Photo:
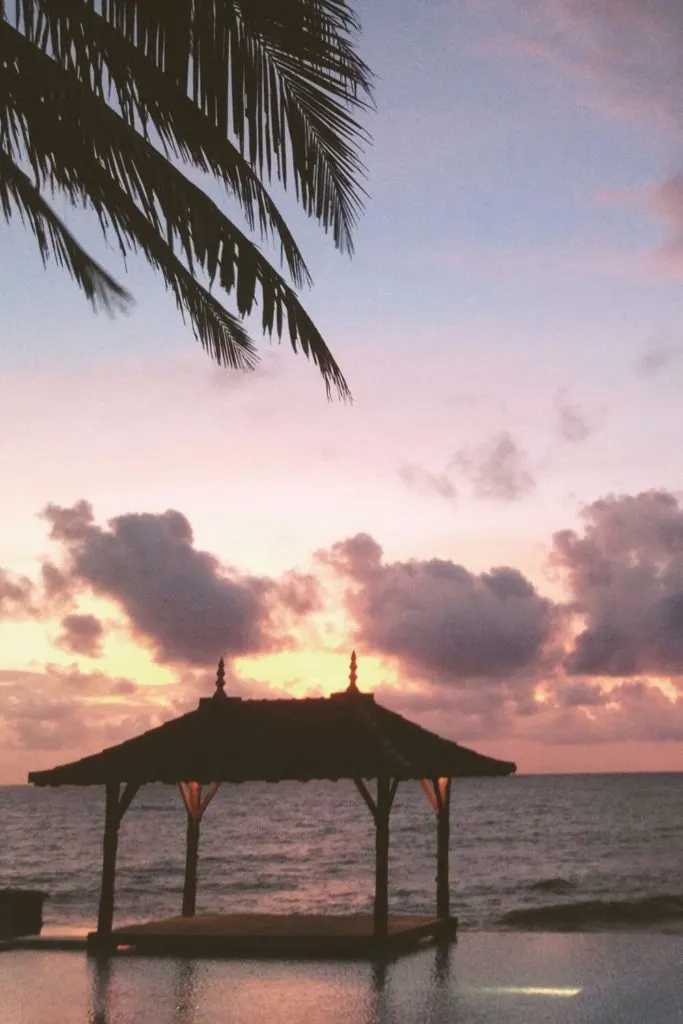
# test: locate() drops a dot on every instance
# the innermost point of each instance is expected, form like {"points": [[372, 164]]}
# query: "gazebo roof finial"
{"points": [[353, 675], [220, 678]]}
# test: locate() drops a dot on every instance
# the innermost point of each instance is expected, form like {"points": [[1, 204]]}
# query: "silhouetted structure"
{"points": [[228, 739]]}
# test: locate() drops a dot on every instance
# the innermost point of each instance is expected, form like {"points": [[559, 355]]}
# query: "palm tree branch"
{"points": [[221, 334], [98, 56], [303, 80], [19, 195], [74, 151], [283, 77]]}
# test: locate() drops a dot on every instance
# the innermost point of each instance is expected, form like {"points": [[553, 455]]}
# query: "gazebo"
{"points": [[229, 739]]}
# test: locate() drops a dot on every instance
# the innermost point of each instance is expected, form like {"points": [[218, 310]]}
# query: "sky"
{"points": [[495, 523]]}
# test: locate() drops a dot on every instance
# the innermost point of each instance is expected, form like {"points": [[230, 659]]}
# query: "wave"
{"points": [[557, 886], [596, 915]]}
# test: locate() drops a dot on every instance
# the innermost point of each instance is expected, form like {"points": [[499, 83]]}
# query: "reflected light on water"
{"points": [[530, 990]]}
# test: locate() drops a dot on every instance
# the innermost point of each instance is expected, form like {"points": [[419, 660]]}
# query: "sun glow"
{"points": [[307, 673]]}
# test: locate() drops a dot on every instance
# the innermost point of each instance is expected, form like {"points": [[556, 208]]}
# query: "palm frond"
{"points": [[106, 100], [19, 196], [77, 144], [102, 60], [305, 79], [281, 77]]}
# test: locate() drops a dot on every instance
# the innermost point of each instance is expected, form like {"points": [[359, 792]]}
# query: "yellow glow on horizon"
{"points": [[306, 673], [29, 646], [123, 657], [26, 646]]}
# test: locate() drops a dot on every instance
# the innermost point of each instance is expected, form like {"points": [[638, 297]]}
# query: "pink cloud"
{"points": [[625, 54], [481, 656]]}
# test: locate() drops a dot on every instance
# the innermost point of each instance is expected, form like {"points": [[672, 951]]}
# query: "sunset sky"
{"points": [[496, 523]]}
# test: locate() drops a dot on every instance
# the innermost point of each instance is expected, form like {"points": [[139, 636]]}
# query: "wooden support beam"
{"points": [[430, 794], [117, 804], [105, 916], [208, 797], [380, 810], [392, 792], [195, 806], [443, 834], [435, 790], [191, 858], [127, 797], [365, 793], [383, 805]]}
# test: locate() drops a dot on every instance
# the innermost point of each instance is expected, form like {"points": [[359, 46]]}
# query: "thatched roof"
{"points": [[227, 739]]}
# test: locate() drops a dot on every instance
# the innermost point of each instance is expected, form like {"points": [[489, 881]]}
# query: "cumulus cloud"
{"points": [[419, 479], [624, 574], [17, 594], [180, 600], [359, 557], [299, 593], [479, 655], [572, 424], [441, 620], [484, 656], [497, 469], [82, 634]]}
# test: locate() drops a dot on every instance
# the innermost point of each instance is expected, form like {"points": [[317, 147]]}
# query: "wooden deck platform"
{"points": [[275, 935]]}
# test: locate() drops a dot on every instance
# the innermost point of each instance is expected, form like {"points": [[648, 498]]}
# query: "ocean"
{"points": [[565, 852]]}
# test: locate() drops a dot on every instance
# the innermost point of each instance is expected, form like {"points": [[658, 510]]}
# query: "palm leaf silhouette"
{"points": [[114, 103]]}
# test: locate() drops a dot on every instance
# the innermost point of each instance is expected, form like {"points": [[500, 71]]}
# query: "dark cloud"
{"points": [[624, 573], [572, 423], [17, 596], [56, 584], [480, 655], [180, 600], [484, 656], [497, 469], [422, 480], [359, 557], [82, 634], [581, 694], [440, 620], [300, 593]]}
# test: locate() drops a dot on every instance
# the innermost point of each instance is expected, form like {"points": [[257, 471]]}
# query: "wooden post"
{"points": [[110, 843], [443, 832], [381, 921], [380, 810], [191, 793], [115, 809], [191, 857]]}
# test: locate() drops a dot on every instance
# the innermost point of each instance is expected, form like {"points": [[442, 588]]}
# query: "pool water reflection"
{"points": [[485, 978]]}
